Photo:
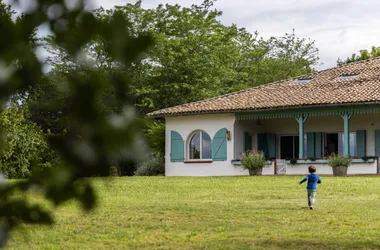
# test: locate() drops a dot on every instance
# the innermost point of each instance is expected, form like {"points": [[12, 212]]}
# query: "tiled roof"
{"points": [[326, 87]]}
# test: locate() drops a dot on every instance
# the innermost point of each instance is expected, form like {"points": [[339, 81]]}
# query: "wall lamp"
{"points": [[228, 135]]}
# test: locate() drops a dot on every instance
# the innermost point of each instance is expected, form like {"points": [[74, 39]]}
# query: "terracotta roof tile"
{"points": [[325, 87]]}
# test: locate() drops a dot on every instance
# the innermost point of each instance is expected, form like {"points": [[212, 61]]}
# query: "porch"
{"points": [[296, 139]]}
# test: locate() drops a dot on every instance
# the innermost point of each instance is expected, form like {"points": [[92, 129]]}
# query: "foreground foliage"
{"points": [[93, 137], [216, 213]]}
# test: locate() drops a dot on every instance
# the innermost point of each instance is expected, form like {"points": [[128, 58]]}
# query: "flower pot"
{"points": [[340, 171], [255, 171]]}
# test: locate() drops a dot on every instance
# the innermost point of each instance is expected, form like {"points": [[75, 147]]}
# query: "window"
{"points": [[352, 143], [347, 77], [300, 81], [289, 146], [200, 146], [334, 143]]}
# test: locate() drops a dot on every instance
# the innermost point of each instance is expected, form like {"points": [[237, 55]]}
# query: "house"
{"points": [[334, 110]]}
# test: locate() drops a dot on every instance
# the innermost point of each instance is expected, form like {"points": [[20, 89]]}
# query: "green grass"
{"points": [[216, 213]]}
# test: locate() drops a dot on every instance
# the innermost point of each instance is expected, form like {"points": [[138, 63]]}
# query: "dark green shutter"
{"points": [[176, 147], [318, 144], [271, 145], [377, 143], [361, 143], [219, 146], [262, 144], [246, 141], [311, 144]]}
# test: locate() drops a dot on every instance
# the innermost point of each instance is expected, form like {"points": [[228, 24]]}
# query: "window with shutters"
{"points": [[199, 146], [334, 143]]}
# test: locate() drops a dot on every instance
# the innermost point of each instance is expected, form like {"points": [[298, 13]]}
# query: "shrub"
{"points": [[293, 161], [25, 144], [367, 158], [312, 158], [113, 171], [339, 160], [156, 138], [126, 166], [151, 166], [253, 160]]}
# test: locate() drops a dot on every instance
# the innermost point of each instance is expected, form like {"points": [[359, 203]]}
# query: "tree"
{"points": [[93, 138], [363, 55], [195, 56], [25, 144]]}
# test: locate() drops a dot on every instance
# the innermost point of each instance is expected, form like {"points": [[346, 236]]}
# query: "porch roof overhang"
{"points": [[320, 110]]}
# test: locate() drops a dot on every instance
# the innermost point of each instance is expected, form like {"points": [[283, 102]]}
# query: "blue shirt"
{"points": [[312, 180]]}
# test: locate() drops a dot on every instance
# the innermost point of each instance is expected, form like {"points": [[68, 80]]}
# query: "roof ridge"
{"points": [[310, 75], [225, 95]]}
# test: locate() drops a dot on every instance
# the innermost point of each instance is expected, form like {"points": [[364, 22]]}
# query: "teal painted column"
{"points": [[301, 120], [346, 118]]}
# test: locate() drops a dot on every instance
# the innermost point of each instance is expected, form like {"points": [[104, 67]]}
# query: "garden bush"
{"points": [[156, 138], [151, 166], [114, 171], [25, 145]]}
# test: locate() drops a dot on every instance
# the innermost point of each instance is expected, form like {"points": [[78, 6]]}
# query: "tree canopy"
{"points": [[194, 57], [363, 55]]}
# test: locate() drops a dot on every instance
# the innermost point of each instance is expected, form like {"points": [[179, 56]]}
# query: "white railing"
{"points": [[280, 167]]}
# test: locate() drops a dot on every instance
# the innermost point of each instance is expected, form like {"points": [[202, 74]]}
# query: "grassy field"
{"points": [[216, 213]]}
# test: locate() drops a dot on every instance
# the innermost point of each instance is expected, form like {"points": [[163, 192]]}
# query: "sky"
{"points": [[338, 27]]}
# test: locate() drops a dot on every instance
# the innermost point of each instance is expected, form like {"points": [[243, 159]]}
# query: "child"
{"points": [[312, 180]]}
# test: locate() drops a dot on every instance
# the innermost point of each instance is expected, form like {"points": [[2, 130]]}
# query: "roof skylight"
{"points": [[300, 81], [347, 77]]}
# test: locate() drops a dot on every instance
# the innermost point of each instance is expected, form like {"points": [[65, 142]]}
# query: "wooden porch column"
{"points": [[301, 120], [346, 118]]}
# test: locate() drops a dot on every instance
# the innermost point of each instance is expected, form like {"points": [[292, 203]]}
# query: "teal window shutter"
{"points": [[377, 143], [246, 141], [271, 145], [361, 143], [177, 152], [219, 146], [318, 144], [311, 144], [262, 144]]}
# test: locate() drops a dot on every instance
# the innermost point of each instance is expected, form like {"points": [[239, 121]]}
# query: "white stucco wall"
{"points": [[185, 126], [356, 168]]}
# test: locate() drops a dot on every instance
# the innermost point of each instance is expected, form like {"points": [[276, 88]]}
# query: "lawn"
{"points": [[216, 213]]}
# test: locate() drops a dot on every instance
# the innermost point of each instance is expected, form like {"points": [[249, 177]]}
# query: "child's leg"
{"points": [[311, 196]]}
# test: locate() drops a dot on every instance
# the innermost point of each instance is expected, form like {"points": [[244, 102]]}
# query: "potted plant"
{"points": [[293, 161], [312, 158], [339, 164], [254, 161]]}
